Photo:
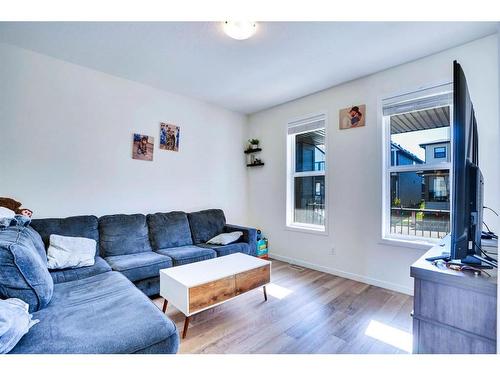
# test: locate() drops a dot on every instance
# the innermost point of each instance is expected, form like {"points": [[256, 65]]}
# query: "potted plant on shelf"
{"points": [[253, 144]]}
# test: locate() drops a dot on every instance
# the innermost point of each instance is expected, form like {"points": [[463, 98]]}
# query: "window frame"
{"points": [[291, 174], [441, 152], [410, 241]]}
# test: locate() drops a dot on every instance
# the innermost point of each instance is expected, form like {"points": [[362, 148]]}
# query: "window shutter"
{"points": [[438, 96], [306, 125]]}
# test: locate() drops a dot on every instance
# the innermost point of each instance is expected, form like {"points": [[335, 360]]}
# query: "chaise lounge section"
{"points": [[83, 310]]}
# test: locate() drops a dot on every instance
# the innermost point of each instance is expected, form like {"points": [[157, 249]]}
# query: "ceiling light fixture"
{"points": [[239, 30]]}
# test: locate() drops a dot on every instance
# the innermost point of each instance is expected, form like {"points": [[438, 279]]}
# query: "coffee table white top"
{"points": [[213, 269]]}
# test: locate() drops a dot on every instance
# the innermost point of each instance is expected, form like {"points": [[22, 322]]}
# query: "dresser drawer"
{"points": [[438, 339], [471, 312]]}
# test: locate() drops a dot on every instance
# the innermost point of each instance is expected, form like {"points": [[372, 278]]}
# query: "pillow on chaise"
{"points": [[15, 322], [225, 238], [70, 252]]}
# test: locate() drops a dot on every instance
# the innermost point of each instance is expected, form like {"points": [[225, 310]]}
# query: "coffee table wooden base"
{"points": [[196, 287], [187, 318]]}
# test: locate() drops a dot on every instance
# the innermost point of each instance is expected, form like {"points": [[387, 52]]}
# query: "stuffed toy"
{"points": [[15, 206]]}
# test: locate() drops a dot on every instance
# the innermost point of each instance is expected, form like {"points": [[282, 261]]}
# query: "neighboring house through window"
{"points": [[306, 164], [439, 152], [417, 164]]}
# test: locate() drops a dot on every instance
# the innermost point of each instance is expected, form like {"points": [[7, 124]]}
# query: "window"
{"points": [[439, 152], [306, 164], [417, 168]]}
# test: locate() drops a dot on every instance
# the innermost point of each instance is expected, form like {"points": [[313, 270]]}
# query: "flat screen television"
{"points": [[467, 195]]}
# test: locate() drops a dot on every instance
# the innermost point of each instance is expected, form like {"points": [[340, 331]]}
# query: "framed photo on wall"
{"points": [[142, 147], [352, 117], [169, 137]]}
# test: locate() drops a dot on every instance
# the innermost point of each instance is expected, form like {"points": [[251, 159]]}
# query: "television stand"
{"points": [[453, 312]]}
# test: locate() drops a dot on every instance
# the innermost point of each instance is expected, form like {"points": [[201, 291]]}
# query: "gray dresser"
{"points": [[453, 312]]}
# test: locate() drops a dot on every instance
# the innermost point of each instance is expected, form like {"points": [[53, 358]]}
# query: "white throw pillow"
{"points": [[70, 252], [225, 238], [5, 212], [15, 322]]}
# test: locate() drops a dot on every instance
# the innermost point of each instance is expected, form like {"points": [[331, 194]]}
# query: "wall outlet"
{"points": [[332, 251]]}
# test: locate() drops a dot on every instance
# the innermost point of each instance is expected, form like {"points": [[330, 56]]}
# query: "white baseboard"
{"points": [[347, 275]]}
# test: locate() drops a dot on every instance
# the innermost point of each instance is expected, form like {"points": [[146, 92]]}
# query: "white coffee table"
{"points": [[196, 287]]}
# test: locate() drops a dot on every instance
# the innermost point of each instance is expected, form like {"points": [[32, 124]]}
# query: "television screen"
{"points": [[467, 205]]}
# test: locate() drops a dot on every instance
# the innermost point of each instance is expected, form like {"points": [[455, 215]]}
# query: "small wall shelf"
{"points": [[253, 161], [251, 151], [255, 165]]}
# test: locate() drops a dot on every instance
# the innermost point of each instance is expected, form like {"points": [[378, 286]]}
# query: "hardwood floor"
{"points": [[307, 312]]}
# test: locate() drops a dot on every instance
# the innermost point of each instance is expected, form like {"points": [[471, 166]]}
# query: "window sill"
{"points": [[307, 229], [408, 243]]}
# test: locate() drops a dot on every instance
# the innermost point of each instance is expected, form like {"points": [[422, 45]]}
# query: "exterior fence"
{"points": [[427, 223]]}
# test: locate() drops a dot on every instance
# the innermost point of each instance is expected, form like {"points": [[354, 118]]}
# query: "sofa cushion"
{"points": [[37, 242], [75, 226], [23, 273], [206, 224], [123, 234], [221, 250], [105, 313], [150, 287], [139, 266], [71, 274], [188, 254], [169, 230]]}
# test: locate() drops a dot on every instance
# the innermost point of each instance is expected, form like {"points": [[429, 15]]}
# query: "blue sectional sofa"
{"points": [[90, 309]]}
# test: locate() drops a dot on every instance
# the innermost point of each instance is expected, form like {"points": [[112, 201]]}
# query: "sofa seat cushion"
{"points": [[188, 254], [221, 250], [206, 224], [169, 229], [71, 274], [74, 226], [123, 234], [150, 287], [139, 266], [105, 313], [23, 272]]}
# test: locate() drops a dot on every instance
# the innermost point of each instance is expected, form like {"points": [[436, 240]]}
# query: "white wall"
{"points": [[66, 133], [355, 166]]}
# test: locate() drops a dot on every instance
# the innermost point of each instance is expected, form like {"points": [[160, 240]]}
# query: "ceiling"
{"points": [[281, 62]]}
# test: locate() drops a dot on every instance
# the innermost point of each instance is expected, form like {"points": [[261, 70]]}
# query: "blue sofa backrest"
{"points": [[75, 226], [169, 229], [206, 224], [123, 234]]}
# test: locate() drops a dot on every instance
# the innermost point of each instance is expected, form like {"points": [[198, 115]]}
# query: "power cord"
{"points": [[488, 260], [491, 209]]}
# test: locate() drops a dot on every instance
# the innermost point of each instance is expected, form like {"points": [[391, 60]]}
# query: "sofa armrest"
{"points": [[249, 235]]}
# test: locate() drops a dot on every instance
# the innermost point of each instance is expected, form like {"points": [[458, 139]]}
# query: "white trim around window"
{"points": [[295, 127], [442, 93]]}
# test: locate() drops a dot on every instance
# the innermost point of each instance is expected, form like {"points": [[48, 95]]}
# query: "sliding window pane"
{"points": [[310, 200], [420, 203], [310, 151]]}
